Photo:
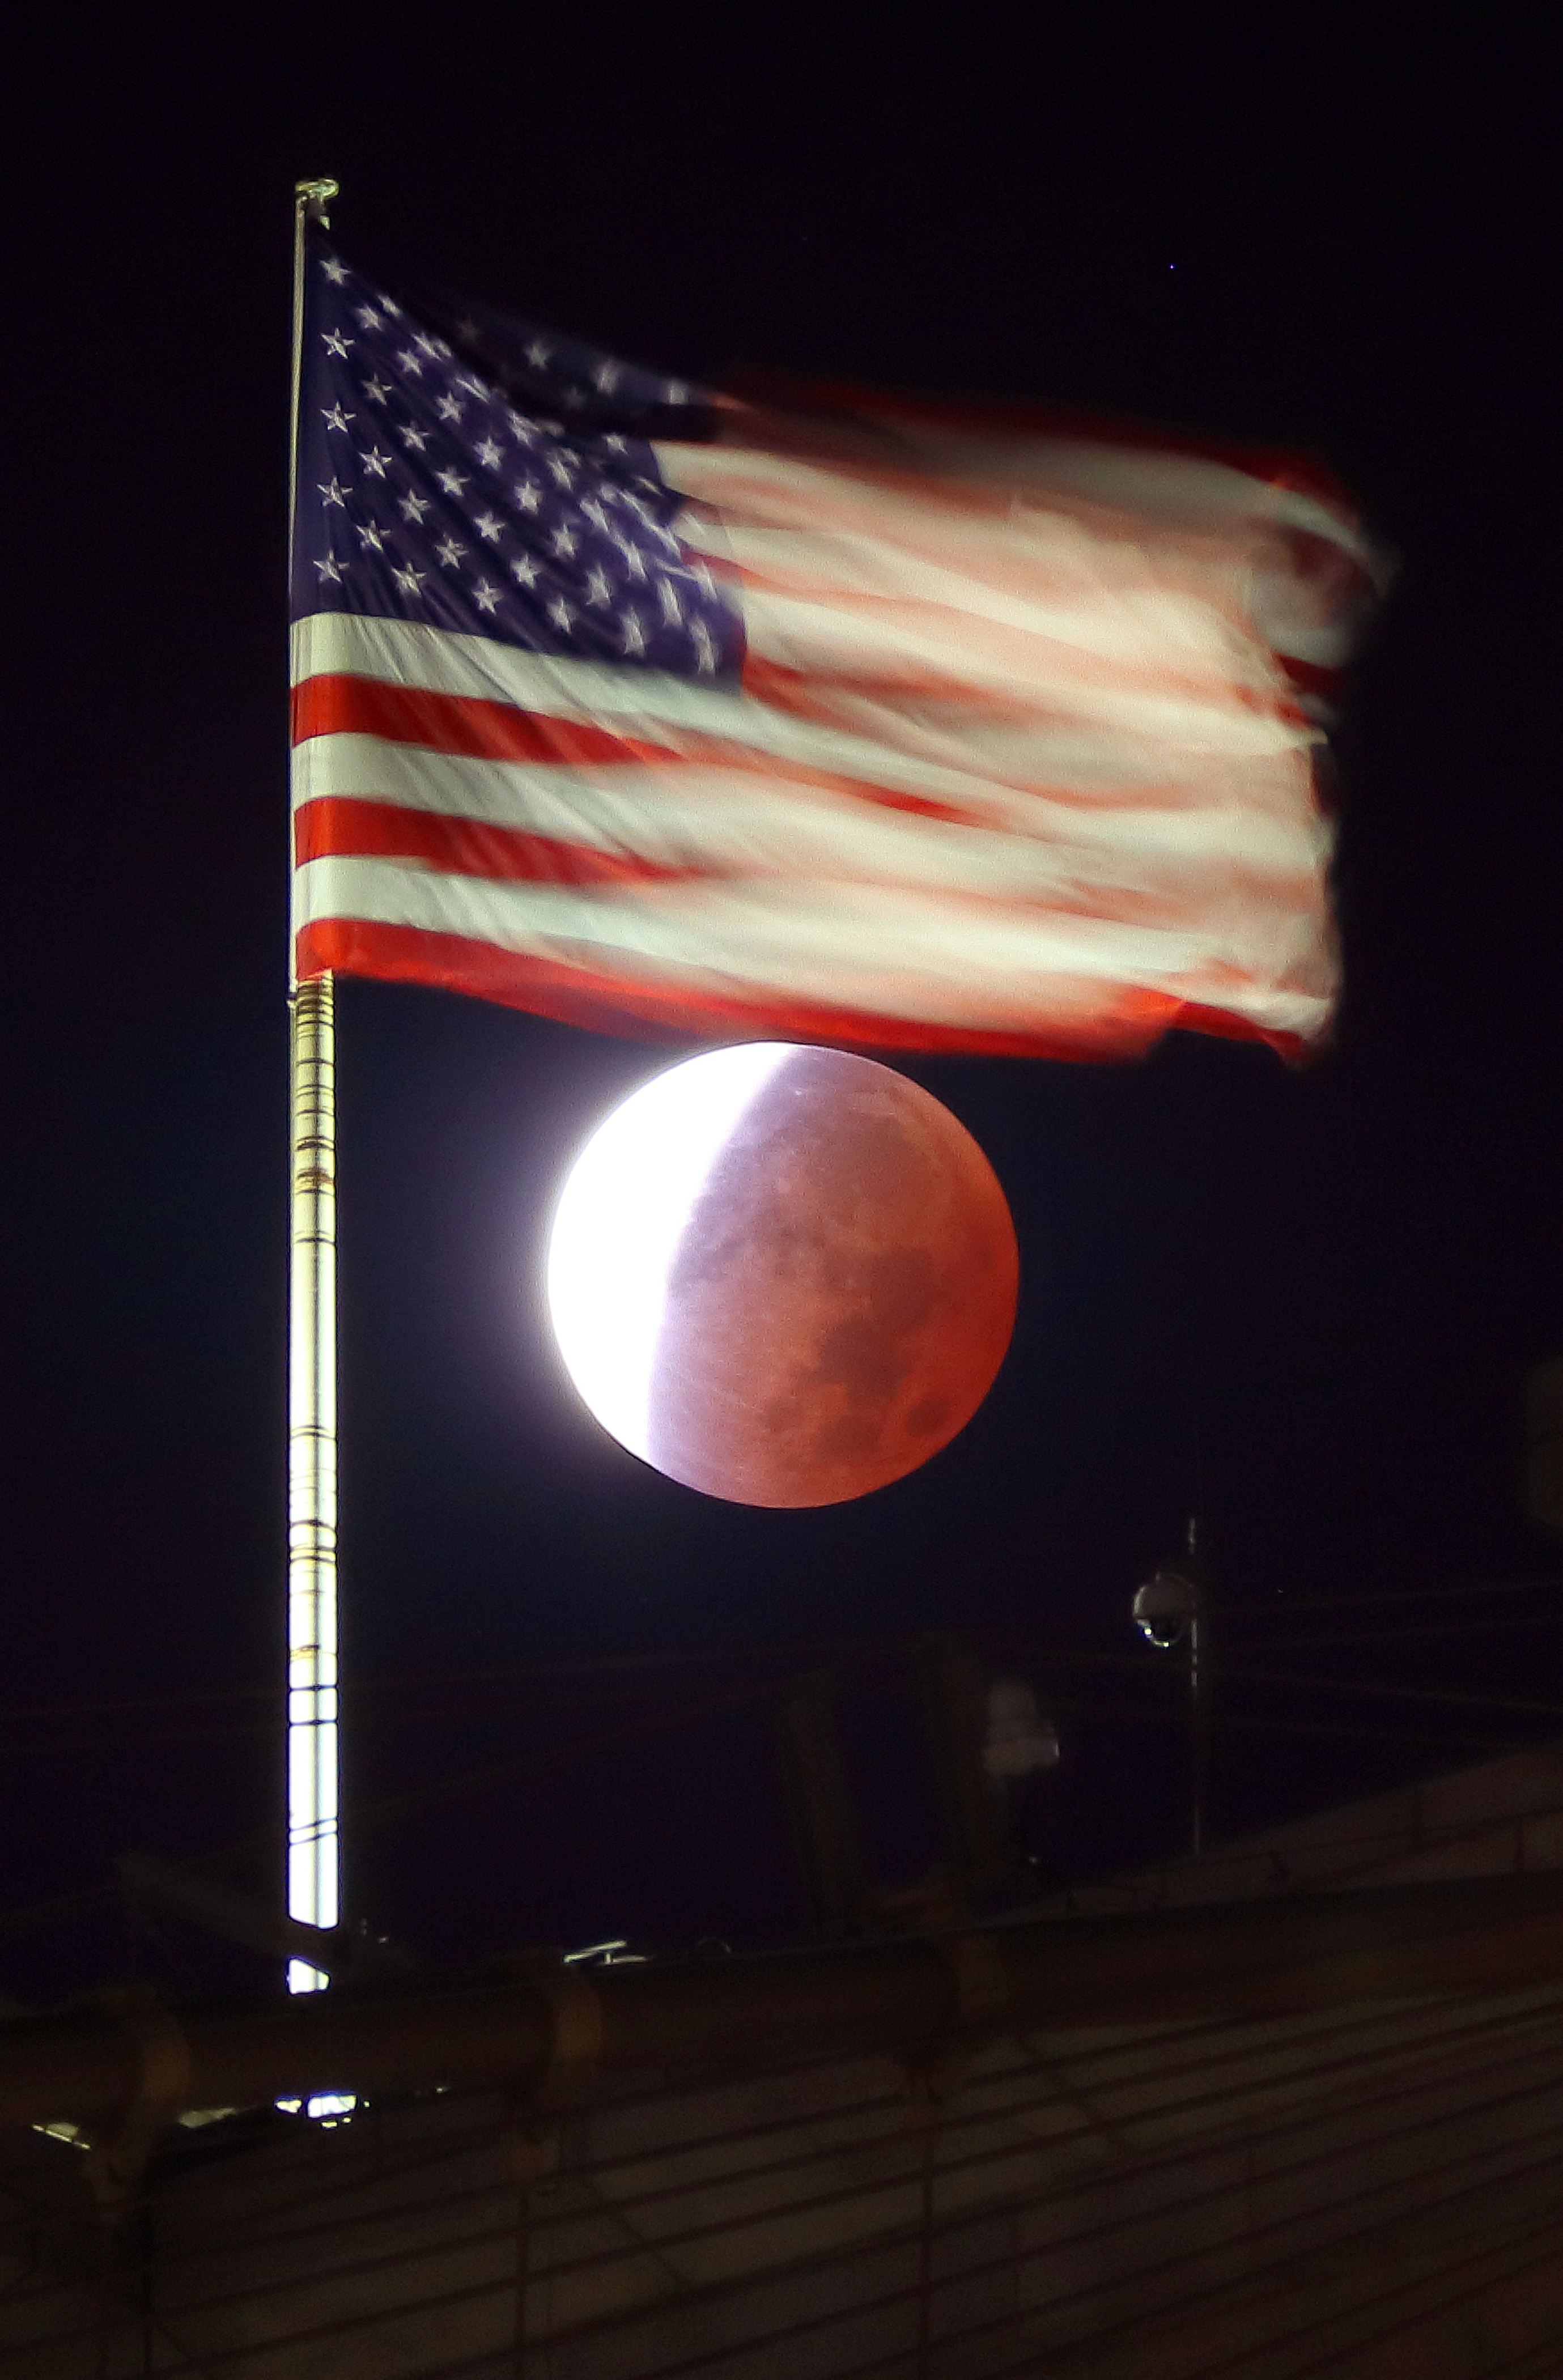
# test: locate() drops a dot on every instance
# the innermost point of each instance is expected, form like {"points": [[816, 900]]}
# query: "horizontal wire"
{"points": [[1453, 1738], [363, 1723], [60, 1908], [1148, 1667], [489, 1676], [1436, 1631], [390, 1806], [73, 1748], [492, 1678], [1400, 1693], [1543, 1580]]}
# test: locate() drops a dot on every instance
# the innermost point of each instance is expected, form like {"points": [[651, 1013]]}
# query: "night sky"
{"points": [[1308, 1299]]}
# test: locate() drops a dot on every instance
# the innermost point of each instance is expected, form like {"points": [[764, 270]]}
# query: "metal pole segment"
{"points": [[313, 1791]]}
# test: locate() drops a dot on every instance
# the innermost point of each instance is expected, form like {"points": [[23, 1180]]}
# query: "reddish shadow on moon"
{"points": [[841, 1297]]}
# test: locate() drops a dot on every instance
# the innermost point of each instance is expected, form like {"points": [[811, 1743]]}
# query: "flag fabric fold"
{"points": [[826, 717]]}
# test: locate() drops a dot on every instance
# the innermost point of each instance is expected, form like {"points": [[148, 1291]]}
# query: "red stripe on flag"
{"points": [[602, 1003], [468, 725], [337, 827], [472, 728]]}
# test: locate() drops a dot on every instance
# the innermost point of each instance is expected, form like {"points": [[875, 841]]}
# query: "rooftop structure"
{"points": [[1291, 2107]]}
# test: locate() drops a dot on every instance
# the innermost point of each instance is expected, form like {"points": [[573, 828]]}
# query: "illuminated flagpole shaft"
{"points": [[314, 1854], [313, 1844]]}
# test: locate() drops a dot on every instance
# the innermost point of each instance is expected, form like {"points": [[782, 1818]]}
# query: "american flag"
{"points": [[835, 719]]}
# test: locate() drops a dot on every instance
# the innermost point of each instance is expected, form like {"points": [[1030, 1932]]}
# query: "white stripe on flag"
{"points": [[1052, 755], [712, 817], [882, 951]]}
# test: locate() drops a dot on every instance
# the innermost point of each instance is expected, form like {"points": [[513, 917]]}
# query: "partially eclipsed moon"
{"points": [[784, 1276]]}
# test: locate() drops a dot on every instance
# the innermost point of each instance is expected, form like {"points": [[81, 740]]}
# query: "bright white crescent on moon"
{"points": [[621, 1220]]}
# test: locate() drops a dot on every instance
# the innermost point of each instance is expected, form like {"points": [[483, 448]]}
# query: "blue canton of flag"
{"points": [[497, 481]]}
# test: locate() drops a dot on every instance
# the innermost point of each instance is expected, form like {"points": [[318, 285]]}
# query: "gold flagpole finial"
{"points": [[312, 198]]}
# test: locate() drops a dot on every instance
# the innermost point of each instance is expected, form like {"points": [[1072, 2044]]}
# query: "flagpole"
{"points": [[314, 1854]]}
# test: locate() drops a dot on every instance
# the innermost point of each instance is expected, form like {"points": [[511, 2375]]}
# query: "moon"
{"points": [[781, 1275]]}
